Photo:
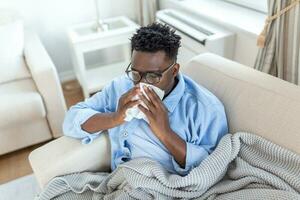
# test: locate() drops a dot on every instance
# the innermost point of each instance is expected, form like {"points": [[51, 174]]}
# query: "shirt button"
{"points": [[125, 133], [127, 154]]}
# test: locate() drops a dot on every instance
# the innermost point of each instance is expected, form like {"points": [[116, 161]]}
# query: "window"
{"points": [[259, 5]]}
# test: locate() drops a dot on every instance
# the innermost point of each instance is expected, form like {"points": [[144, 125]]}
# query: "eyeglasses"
{"points": [[150, 77]]}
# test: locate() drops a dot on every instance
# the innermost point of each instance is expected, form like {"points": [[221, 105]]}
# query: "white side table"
{"points": [[84, 38]]}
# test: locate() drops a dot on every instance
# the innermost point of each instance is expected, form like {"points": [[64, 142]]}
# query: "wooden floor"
{"points": [[16, 164]]}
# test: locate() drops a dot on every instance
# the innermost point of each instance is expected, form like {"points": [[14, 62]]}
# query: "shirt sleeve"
{"points": [[207, 129], [81, 112]]}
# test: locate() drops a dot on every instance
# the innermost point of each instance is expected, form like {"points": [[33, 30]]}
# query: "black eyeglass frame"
{"points": [[144, 74]]}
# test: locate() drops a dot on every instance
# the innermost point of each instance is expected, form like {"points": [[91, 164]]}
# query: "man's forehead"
{"points": [[147, 61]]}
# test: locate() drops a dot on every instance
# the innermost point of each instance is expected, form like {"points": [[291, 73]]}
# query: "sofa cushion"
{"points": [[13, 69], [12, 65], [20, 103]]}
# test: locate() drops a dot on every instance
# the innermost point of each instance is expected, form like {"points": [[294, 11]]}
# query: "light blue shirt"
{"points": [[195, 114]]}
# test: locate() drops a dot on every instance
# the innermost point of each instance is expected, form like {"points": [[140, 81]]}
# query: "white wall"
{"points": [[50, 18]]}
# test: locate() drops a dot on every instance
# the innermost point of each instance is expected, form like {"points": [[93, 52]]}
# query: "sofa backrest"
{"points": [[12, 63], [254, 101]]}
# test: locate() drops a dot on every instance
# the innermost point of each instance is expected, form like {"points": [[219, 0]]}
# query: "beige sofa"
{"points": [[254, 102], [32, 103]]}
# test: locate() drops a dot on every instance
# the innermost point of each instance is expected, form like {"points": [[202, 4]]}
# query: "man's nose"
{"points": [[143, 80]]}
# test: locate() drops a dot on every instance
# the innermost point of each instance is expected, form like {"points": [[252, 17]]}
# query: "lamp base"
{"points": [[101, 26]]}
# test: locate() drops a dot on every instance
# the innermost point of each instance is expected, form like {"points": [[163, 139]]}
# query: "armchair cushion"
{"points": [[13, 69], [20, 99]]}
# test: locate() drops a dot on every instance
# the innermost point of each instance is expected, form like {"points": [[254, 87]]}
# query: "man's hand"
{"points": [[156, 113], [104, 121], [126, 102]]}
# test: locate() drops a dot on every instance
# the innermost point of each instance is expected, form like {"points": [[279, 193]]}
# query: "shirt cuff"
{"points": [[80, 119], [194, 155]]}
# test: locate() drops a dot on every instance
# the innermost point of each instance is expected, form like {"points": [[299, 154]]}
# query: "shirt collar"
{"points": [[174, 97]]}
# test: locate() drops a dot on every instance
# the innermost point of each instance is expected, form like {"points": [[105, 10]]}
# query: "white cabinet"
{"points": [[85, 39]]}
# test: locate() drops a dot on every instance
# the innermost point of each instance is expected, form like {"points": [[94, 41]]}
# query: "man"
{"points": [[184, 127]]}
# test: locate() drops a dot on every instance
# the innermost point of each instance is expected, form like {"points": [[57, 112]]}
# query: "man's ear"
{"points": [[176, 69]]}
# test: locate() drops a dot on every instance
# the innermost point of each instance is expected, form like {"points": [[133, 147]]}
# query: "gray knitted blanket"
{"points": [[243, 166]]}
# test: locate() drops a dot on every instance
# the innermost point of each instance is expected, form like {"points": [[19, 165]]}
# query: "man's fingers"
{"points": [[130, 94], [152, 96], [147, 102], [156, 99], [145, 111], [131, 104]]}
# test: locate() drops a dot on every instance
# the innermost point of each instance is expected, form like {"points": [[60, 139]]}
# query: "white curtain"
{"points": [[280, 55], [146, 11]]}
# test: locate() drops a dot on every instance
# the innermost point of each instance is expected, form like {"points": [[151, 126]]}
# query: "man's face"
{"points": [[155, 62]]}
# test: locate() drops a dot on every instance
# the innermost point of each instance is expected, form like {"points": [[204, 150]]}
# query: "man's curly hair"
{"points": [[156, 37]]}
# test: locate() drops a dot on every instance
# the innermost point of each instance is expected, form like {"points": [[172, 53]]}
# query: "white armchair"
{"points": [[32, 106]]}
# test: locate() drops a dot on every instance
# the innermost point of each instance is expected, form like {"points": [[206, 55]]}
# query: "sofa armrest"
{"points": [[44, 75], [67, 155]]}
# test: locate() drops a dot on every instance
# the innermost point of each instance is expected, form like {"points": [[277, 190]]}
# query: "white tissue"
{"points": [[135, 112]]}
